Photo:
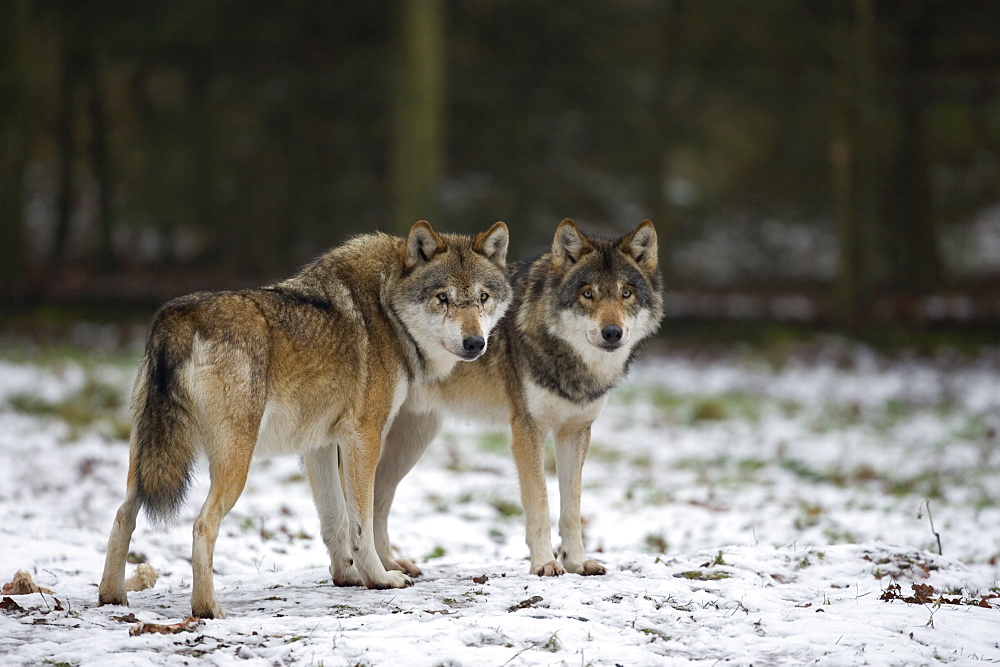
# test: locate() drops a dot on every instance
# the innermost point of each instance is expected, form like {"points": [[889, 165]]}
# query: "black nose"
{"points": [[474, 344], [612, 333]]}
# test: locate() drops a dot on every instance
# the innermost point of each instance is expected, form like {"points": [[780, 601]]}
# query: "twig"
{"points": [[930, 517]]}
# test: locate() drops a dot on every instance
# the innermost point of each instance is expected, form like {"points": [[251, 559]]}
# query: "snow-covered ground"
{"points": [[748, 512]]}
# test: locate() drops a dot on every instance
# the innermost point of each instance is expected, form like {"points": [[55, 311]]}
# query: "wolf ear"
{"points": [[641, 245], [422, 243], [493, 244], [570, 244]]}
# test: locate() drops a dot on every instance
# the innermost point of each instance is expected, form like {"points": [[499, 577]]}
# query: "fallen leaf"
{"points": [[8, 604], [480, 580], [22, 584], [187, 625], [524, 604], [128, 618]]}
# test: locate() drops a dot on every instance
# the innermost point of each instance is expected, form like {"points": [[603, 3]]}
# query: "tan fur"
{"points": [[319, 365], [548, 370]]}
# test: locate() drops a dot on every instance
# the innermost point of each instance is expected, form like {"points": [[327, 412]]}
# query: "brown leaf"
{"points": [[22, 584], [524, 604], [128, 618], [8, 604], [480, 580], [187, 625]]}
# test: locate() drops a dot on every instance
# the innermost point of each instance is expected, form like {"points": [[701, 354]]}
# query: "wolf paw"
{"points": [[346, 577], [408, 566], [591, 568], [115, 599], [550, 569], [392, 579], [584, 567], [207, 611]]}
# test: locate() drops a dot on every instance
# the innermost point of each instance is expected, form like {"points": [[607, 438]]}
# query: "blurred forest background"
{"points": [[831, 161]]}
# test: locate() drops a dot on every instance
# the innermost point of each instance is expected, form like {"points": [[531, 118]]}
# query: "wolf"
{"points": [[316, 365], [579, 315]]}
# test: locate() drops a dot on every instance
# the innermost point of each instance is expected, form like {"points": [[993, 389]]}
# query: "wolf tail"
{"points": [[164, 437]]}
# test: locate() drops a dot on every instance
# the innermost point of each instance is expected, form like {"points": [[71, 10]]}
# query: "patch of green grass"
{"points": [[656, 543], [493, 443], [506, 508], [553, 645], [809, 515], [437, 552], [703, 575], [709, 410], [603, 453], [94, 404], [656, 634]]}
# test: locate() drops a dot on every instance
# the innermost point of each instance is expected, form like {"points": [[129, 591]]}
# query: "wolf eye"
{"points": [[442, 297], [588, 294], [484, 297], [626, 293]]}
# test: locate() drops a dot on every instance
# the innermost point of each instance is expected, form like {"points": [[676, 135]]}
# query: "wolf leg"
{"points": [[527, 444], [572, 442], [112, 590], [322, 469], [228, 468], [406, 442], [361, 459]]}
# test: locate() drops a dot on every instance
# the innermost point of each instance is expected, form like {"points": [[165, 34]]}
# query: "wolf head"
{"points": [[453, 290], [604, 295]]}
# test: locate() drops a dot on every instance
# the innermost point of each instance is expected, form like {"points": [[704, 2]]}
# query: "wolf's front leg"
{"points": [[361, 459], [572, 442], [527, 446], [322, 469], [406, 442]]}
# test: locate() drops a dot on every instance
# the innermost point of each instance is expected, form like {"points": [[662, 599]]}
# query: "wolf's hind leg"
{"points": [[571, 444], [228, 467], [406, 442], [322, 470], [112, 589]]}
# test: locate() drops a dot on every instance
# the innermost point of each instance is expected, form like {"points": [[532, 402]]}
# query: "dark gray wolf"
{"points": [[318, 364], [580, 313]]}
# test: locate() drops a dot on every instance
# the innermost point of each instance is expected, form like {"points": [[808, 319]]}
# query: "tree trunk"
{"points": [[419, 106], [67, 148], [101, 156], [14, 134], [854, 163], [910, 241]]}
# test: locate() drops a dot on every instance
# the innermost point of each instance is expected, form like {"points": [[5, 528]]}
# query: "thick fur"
{"points": [[580, 313], [316, 365]]}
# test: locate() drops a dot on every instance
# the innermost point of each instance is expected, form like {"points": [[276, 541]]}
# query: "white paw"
{"points": [[392, 579], [550, 569], [408, 566]]}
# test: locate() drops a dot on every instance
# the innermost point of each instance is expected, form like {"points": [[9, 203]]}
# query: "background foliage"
{"points": [[843, 151]]}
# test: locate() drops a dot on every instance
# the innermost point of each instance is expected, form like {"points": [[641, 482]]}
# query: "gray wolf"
{"points": [[317, 365], [579, 315]]}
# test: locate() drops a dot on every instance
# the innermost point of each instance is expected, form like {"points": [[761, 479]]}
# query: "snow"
{"points": [[749, 512]]}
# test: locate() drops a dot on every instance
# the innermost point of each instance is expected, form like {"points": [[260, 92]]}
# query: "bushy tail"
{"points": [[164, 430]]}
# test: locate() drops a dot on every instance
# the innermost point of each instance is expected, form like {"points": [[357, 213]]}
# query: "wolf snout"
{"points": [[474, 343], [612, 334], [473, 346]]}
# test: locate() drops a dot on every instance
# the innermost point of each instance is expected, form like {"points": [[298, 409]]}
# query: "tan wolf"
{"points": [[578, 317], [318, 365]]}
